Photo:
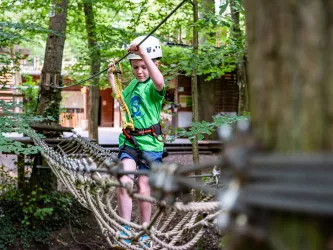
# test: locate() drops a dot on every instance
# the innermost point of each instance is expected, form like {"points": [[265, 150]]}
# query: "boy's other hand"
{"points": [[111, 70]]}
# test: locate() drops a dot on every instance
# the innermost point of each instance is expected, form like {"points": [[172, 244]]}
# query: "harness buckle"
{"points": [[126, 133], [153, 131], [145, 162], [142, 131]]}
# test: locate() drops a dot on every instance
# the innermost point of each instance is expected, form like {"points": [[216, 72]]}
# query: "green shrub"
{"points": [[7, 232], [32, 218]]}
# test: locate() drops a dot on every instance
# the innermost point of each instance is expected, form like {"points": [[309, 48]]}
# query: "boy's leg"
{"points": [[124, 200], [144, 187], [145, 207]]}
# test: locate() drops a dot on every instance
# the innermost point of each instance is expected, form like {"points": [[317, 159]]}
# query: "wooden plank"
{"points": [[2, 94]]}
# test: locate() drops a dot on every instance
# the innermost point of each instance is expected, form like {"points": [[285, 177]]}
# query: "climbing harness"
{"points": [[124, 56], [128, 126], [130, 132], [134, 151]]}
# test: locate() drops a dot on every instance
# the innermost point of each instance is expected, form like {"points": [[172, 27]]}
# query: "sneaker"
{"points": [[146, 240], [122, 233]]}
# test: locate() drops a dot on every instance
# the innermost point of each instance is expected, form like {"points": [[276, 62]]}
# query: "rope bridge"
{"points": [[91, 173], [254, 186]]}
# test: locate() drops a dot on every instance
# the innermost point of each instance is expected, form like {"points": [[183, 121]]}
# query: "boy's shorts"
{"points": [[155, 157]]}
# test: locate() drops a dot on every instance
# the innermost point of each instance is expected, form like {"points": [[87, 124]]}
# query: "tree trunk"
{"points": [[291, 51], [243, 86], [50, 97], [42, 176], [95, 64], [194, 83], [237, 34], [206, 7], [194, 87]]}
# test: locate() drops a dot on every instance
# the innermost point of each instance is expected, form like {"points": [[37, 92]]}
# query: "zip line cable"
{"points": [[124, 56]]}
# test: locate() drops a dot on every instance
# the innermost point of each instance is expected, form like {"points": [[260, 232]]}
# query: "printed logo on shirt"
{"points": [[136, 112]]}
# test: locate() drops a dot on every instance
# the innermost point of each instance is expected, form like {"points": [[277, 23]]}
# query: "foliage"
{"points": [[30, 91], [211, 61], [7, 234], [238, 6], [125, 20], [117, 23], [7, 145], [9, 64], [7, 182], [13, 122], [8, 34], [32, 217], [17, 32], [200, 129]]}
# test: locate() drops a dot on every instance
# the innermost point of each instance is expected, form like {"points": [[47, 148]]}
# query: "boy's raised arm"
{"points": [[154, 73], [111, 79]]}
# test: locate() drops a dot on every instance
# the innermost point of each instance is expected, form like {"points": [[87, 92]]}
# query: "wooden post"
{"points": [[20, 171]]}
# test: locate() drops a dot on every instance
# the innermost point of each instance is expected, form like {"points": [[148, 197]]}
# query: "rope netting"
{"points": [[90, 173]]}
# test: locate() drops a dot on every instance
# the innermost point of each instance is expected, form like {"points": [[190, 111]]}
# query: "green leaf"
{"points": [[200, 136], [224, 7]]}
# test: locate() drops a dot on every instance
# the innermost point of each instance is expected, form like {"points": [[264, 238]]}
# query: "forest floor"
{"points": [[89, 236]]}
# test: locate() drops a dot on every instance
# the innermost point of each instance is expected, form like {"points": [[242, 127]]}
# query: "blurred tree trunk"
{"points": [[291, 51], [237, 36], [291, 54], [95, 64], [49, 100]]}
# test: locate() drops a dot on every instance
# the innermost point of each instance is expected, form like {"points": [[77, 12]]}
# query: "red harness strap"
{"points": [[154, 130], [126, 133]]}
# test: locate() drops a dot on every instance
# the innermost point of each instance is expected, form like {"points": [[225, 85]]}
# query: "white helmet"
{"points": [[152, 45]]}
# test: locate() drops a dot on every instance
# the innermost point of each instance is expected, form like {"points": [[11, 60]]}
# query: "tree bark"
{"points": [[290, 46], [194, 90], [50, 97], [194, 83], [237, 34], [243, 86], [95, 65], [291, 51]]}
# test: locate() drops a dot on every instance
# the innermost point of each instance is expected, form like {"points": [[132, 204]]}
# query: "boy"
{"points": [[143, 96]]}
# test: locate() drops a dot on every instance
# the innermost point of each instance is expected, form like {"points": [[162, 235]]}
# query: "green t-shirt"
{"points": [[144, 103]]}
